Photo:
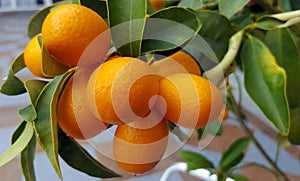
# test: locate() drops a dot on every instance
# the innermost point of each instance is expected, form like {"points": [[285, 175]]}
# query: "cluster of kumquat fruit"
{"points": [[125, 91]]}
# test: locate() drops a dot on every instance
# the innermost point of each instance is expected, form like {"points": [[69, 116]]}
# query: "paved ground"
{"points": [[12, 42]]}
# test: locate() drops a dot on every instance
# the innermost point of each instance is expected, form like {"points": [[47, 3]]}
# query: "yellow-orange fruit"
{"points": [[33, 57], [73, 115], [71, 30], [121, 89], [138, 150], [179, 62], [192, 101]]}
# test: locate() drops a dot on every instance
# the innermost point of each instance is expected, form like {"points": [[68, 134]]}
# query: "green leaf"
{"points": [[284, 5], [214, 128], [283, 46], [196, 4], [13, 85], [127, 22], [242, 20], [45, 125], [295, 126], [268, 23], [229, 7], [35, 24], [28, 113], [99, 6], [280, 20], [27, 155], [235, 161], [265, 82], [18, 145], [33, 87], [234, 154], [174, 129], [50, 66], [27, 159], [195, 160], [169, 28], [193, 4], [78, 158], [18, 132], [295, 4], [238, 177], [217, 38], [150, 8]]}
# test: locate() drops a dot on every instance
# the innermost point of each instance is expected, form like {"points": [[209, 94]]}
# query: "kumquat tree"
{"points": [[148, 72]]}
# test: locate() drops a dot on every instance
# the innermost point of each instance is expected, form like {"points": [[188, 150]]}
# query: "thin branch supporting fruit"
{"points": [[239, 114]]}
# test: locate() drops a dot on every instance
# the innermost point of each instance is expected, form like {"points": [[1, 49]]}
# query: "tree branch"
{"points": [[237, 111]]}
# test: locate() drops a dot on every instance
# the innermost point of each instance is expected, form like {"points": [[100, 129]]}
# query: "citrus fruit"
{"points": [[73, 114], [71, 31], [33, 57], [138, 150], [191, 101], [121, 89], [157, 4], [179, 62]]}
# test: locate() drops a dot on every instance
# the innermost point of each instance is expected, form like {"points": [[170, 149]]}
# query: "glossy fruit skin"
{"points": [[179, 62], [137, 150], [120, 90], [33, 57], [73, 114], [71, 31], [192, 101]]}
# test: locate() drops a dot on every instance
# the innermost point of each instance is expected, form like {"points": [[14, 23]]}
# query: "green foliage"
{"points": [[229, 7], [77, 157], [216, 38], [46, 128], [193, 4], [13, 85], [28, 154], [260, 65], [127, 28], [195, 160], [283, 45], [99, 6], [162, 29], [230, 158], [18, 146], [50, 66], [234, 154], [33, 87]]}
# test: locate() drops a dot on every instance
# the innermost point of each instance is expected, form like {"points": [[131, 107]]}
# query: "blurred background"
{"points": [[14, 18]]}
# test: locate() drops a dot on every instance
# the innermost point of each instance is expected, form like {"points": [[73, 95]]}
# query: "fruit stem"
{"points": [[239, 115]]}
